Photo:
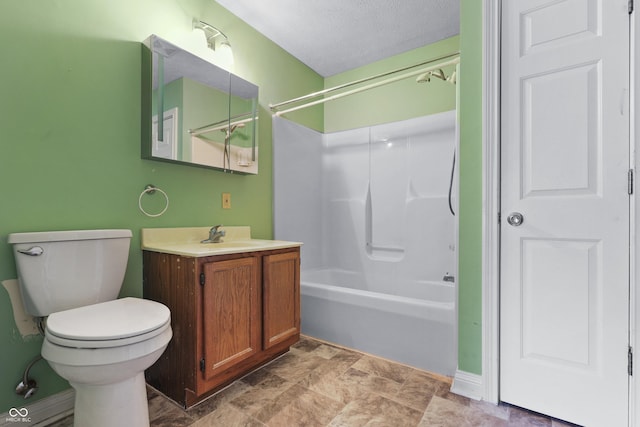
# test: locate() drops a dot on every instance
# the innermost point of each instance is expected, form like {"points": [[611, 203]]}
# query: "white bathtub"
{"points": [[416, 326]]}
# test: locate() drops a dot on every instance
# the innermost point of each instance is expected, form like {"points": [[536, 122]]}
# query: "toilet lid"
{"points": [[108, 324]]}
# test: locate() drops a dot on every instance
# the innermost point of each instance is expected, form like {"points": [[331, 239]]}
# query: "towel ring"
{"points": [[150, 189]]}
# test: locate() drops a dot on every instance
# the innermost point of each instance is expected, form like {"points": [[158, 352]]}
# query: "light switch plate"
{"points": [[226, 200]]}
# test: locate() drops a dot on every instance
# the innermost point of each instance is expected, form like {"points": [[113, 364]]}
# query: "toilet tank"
{"points": [[59, 270]]}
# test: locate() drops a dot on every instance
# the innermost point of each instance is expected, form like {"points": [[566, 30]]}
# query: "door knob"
{"points": [[515, 219]]}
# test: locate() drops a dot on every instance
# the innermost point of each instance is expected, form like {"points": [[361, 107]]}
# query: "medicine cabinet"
{"points": [[209, 115]]}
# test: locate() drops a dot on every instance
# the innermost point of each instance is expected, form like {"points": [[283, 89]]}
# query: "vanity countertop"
{"points": [[186, 241]]}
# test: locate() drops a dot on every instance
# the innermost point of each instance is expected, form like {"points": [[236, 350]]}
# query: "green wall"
{"points": [[396, 101], [203, 105], [70, 137], [470, 217]]}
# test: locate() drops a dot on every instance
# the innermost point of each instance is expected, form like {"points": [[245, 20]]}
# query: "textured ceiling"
{"points": [[332, 36]]}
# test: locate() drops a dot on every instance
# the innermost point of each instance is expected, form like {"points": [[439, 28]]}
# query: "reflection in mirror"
{"points": [[209, 115]]}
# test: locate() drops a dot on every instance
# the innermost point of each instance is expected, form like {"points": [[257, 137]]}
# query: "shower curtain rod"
{"points": [[367, 87], [454, 55], [218, 126]]}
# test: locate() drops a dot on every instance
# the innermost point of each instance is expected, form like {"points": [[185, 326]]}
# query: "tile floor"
{"points": [[319, 384]]}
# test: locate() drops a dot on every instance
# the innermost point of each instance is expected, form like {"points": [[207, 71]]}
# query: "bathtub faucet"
{"points": [[215, 235]]}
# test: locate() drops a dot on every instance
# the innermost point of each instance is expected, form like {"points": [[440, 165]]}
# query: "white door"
{"points": [[168, 147], [564, 316]]}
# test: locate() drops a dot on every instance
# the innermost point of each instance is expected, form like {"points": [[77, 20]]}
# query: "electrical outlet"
{"points": [[226, 200]]}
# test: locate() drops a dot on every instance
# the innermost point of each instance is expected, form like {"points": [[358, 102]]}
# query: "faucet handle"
{"points": [[214, 235], [215, 231]]}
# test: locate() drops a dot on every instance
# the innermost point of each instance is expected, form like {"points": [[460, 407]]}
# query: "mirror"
{"points": [[209, 115]]}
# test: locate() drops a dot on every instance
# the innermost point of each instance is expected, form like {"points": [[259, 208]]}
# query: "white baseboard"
{"points": [[468, 385], [41, 412]]}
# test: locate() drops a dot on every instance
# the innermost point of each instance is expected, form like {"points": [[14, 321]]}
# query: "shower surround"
{"points": [[372, 208]]}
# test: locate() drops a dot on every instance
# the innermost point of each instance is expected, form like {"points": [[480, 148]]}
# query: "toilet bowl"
{"points": [[98, 343], [103, 350]]}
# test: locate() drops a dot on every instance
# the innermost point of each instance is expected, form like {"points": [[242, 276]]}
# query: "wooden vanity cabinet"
{"points": [[230, 314]]}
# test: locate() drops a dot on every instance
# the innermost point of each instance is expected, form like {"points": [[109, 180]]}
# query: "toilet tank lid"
{"points": [[59, 236]]}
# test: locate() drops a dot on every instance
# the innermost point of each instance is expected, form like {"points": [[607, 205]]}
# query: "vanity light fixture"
{"points": [[216, 40]]}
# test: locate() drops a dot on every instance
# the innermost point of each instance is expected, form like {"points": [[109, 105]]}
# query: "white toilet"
{"points": [[100, 344]]}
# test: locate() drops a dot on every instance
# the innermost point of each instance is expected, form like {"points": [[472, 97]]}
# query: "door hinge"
{"points": [[630, 361], [630, 182], [202, 364], [630, 6], [499, 217], [202, 279]]}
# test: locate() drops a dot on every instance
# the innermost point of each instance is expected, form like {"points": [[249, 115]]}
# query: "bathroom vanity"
{"points": [[234, 306]]}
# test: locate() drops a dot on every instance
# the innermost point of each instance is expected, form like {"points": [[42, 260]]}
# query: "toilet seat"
{"points": [[109, 324]]}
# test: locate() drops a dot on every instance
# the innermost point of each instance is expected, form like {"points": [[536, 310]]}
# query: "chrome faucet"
{"points": [[215, 235]]}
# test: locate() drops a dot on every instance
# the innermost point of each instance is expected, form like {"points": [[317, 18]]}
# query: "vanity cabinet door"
{"points": [[231, 313], [281, 297]]}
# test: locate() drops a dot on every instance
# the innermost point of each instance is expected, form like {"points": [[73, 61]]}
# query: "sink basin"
{"points": [[187, 241]]}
